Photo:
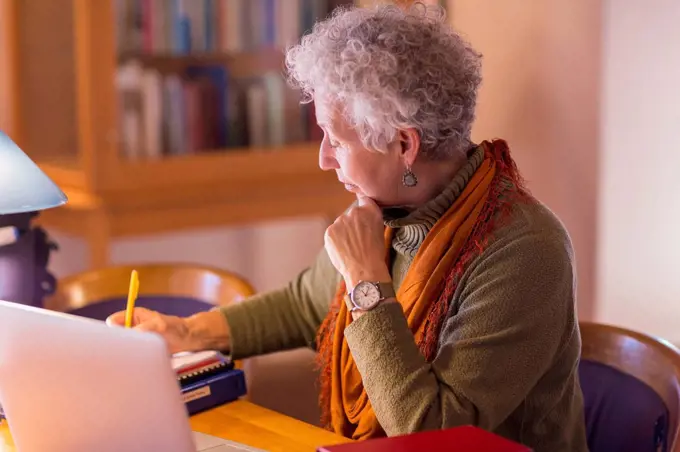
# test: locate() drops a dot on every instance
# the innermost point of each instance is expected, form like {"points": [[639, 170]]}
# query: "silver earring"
{"points": [[409, 179]]}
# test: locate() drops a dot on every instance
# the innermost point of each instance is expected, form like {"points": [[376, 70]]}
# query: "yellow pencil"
{"points": [[132, 297]]}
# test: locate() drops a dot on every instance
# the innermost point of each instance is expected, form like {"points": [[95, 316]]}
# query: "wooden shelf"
{"points": [[241, 64], [230, 167], [201, 190], [223, 166]]}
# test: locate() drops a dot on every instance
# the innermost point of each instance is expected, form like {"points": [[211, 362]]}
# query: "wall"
{"points": [[639, 245], [267, 254], [540, 93]]}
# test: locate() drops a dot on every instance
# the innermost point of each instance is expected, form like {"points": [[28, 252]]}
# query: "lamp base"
{"points": [[24, 276]]}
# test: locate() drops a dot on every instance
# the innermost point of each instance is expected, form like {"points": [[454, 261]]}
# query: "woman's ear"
{"points": [[409, 140]]}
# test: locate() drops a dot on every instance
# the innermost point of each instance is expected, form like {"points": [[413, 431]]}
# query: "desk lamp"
{"points": [[24, 250], [23, 186]]}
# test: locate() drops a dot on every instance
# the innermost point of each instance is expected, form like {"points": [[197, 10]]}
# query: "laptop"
{"points": [[69, 383]]}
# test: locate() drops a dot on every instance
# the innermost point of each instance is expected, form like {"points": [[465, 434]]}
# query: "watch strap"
{"points": [[386, 290], [348, 302]]}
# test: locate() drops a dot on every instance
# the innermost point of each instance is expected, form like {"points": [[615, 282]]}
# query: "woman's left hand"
{"points": [[356, 246]]}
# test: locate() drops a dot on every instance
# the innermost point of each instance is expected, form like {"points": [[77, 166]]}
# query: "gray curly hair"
{"points": [[392, 68]]}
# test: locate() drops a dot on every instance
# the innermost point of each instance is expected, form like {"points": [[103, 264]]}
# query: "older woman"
{"points": [[445, 295]]}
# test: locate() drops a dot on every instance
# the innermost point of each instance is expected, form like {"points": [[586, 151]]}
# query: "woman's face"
{"points": [[363, 171]]}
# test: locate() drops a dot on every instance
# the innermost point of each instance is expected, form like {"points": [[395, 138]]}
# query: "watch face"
{"points": [[365, 295]]}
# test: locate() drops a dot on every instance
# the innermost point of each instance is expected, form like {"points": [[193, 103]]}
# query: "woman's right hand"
{"points": [[174, 330]]}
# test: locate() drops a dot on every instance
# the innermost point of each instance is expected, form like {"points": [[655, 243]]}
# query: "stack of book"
{"points": [[207, 379]]}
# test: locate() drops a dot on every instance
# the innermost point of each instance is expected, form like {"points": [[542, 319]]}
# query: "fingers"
{"points": [[156, 324], [116, 319], [366, 202], [139, 315], [363, 199]]}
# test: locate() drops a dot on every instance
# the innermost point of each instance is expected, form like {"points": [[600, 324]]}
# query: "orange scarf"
{"points": [[424, 294]]}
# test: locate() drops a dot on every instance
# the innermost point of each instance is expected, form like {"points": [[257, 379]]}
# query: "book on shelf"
{"points": [[201, 105]]}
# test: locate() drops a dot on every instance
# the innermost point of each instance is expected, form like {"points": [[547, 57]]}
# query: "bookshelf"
{"points": [[66, 105]]}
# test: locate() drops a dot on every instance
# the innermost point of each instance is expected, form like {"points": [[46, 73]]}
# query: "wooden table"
{"points": [[245, 423]]}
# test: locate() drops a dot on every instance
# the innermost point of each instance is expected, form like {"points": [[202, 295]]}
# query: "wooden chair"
{"points": [[610, 356], [210, 285]]}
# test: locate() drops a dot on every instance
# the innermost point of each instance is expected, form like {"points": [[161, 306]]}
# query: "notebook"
{"points": [[191, 367], [186, 360]]}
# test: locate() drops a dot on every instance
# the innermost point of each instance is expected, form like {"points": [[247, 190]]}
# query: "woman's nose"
{"points": [[327, 161]]}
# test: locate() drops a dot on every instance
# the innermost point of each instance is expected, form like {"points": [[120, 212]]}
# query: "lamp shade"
{"points": [[23, 186]]}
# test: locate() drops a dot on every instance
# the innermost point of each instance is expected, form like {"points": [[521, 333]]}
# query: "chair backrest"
{"points": [[206, 284], [631, 386]]}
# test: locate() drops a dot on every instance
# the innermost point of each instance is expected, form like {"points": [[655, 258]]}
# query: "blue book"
{"points": [[269, 23], [210, 11], [214, 390], [181, 27]]}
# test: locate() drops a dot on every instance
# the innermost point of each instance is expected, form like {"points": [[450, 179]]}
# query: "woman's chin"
{"points": [[352, 188]]}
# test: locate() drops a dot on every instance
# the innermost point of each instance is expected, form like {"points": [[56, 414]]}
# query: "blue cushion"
{"points": [[621, 412], [170, 305]]}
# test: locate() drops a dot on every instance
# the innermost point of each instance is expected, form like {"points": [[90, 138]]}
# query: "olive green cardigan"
{"points": [[508, 351]]}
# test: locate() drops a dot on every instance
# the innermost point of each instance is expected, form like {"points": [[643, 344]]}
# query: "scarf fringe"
{"points": [[324, 358]]}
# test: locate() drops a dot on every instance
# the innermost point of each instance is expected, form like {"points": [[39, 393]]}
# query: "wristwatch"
{"points": [[366, 295]]}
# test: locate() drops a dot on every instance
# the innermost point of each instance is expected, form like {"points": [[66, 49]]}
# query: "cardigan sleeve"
{"points": [[286, 318]]}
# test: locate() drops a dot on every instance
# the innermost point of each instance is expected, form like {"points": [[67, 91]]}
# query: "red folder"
{"points": [[458, 439]]}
